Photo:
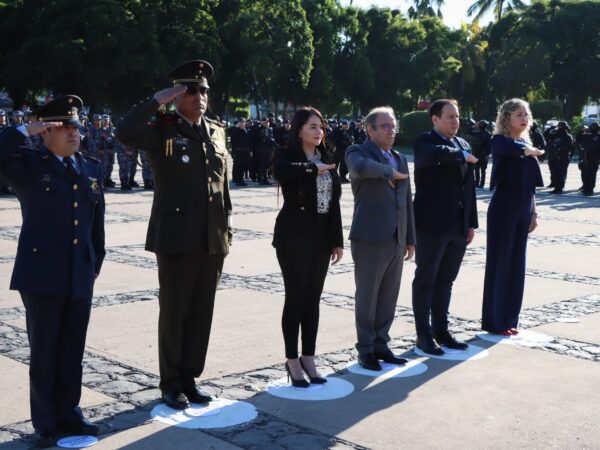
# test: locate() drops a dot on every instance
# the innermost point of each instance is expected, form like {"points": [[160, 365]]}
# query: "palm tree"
{"points": [[423, 8], [499, 7]]}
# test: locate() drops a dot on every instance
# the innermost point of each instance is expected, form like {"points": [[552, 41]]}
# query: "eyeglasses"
{"points": [[193, 90], [387, 127]]}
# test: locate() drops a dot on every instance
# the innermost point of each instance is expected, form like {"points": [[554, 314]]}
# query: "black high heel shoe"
{"points": [[313, 380], [302, 383]]}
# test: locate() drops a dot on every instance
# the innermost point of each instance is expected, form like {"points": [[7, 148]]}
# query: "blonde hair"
{"points": [[503, 118]]}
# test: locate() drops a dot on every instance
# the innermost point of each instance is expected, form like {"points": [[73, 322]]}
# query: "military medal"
{"points": [[95, 186], [185, 159]]}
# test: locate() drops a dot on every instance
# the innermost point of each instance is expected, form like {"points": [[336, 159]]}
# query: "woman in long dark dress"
{"points": [[308, 234], [511, 217]]}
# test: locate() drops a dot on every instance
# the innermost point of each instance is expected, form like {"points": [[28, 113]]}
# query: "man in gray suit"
{"points": [[382, 234]]}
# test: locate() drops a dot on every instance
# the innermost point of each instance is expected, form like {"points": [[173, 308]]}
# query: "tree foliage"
{"points": [[114, 52]]}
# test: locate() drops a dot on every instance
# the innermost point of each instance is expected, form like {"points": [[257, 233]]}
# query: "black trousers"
{"points": [[480, 169], [304, 274], [590, 171], [56, 329], [241, 163], [558, 172], [438, 259], [187, 295]]}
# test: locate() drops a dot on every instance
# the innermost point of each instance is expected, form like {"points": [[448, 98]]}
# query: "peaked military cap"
{"points": [[17, 113], [105, 117], [2, 112], [196, 71], [63, 109]]}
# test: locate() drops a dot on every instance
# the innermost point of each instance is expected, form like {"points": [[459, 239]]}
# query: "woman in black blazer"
{"points": [[308, 234]]}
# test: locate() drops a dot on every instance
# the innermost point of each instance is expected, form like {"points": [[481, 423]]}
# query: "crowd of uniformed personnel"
{"points": [[254, 141], [98, 141]]}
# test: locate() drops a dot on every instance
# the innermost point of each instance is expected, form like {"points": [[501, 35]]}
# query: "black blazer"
{"points": [[298, 226], [445, 200]]}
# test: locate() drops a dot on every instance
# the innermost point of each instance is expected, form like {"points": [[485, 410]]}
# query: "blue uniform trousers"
{"points": [[56, 330], [508, 219]]}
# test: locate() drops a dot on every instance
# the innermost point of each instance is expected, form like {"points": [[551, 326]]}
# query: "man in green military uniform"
{"points": [[189, 227]]}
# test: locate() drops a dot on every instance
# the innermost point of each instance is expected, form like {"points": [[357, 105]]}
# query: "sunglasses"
{"points": [[194, 89]]}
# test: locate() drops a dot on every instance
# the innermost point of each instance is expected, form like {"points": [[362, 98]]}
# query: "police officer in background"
{"points": [[481, 144], [360, 135], [560, 147], [108, 150], [581, 157], [17, 118], [60, 252], [189, 228], [266, 147], [125, 159], [537, 139], [146, 171], [240, 150], [590, 143], [92, 141], [343, 139], [4, 187]]}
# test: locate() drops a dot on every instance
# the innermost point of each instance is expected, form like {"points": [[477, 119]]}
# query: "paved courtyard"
{"points": [[538, 393]]}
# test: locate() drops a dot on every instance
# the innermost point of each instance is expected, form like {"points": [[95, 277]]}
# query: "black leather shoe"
{"points": [[556, 191], [176, 400], [428, 346], [43, 440], [84, 427], [447, 340], [369, 362], [197, 395], [390, 358]]}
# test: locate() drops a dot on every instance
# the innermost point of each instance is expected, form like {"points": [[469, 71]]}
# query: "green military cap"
{"points": [[63, 109], [196, 71]]}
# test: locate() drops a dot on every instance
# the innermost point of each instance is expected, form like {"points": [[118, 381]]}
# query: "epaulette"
{"points": [[89, 158]]}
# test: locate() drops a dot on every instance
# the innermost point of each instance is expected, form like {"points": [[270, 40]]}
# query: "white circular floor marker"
{"points": [[77, 441], [472, 352], [525, 338], [412, 368], [220, 413], [333, 389]]}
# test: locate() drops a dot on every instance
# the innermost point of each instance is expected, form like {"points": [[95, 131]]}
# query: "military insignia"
{"points": [[169, 147], [94, 184], [70, 100], [73, 111], [201, 65], [47, 178], [185, 159]]}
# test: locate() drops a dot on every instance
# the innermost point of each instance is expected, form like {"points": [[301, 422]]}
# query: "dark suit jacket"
{"points": [[381, 212], [298, 221], [191, 190], [445, 200], [511, 167], [61, 246]]}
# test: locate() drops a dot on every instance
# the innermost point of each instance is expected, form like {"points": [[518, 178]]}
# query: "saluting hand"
{"points": [[471, 159], [166, 95], [324, 167], [532, 151], [399, 175], [35, 128]]}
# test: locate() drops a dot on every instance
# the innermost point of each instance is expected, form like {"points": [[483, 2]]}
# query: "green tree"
{"points": [[499, 7], [423, 8]]}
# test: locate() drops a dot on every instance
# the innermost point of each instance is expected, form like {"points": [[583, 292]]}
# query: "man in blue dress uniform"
{"points": [[60, 252]]}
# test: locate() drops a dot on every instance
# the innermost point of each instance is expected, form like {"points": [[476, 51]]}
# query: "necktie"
{"points": [[198, 129], [388, 158], [70, 167]]}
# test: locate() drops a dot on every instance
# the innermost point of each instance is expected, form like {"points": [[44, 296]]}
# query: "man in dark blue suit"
{"points": [[60, 252], [446, 218]]}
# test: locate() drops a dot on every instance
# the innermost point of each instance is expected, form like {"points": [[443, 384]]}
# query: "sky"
{"points": [[454, 11]]}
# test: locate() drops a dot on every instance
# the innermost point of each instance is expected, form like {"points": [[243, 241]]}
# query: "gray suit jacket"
{"points": [[379, 209]]}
